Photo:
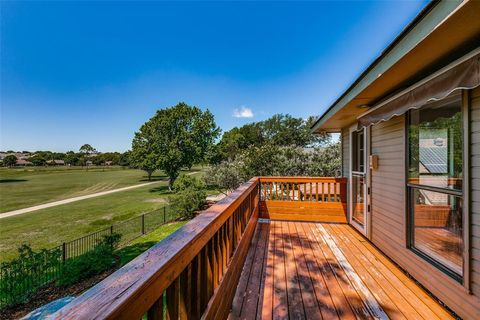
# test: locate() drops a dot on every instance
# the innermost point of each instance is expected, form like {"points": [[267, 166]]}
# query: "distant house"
{"points": [[108, 163], [23, 162], [88, 163], [56, 162]]}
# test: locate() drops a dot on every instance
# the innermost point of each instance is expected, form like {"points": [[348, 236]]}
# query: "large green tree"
{"points": [[175, 138], [87, 151], [9, 161]]}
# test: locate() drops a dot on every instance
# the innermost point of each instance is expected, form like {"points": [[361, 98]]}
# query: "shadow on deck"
{"points": [[301, 270]]}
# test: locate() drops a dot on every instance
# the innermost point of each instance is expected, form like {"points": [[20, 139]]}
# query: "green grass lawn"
{"points": [[26, 187], [141, 244], [50, 227]]}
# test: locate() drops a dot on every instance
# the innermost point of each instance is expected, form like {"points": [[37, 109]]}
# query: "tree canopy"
{"points": [[279, 130], [9, 161], [87, 149], [174, 138]]}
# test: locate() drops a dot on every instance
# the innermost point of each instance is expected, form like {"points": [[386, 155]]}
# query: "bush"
{"points": [[326, 162], [190, 196], [226, 175], [100, 259], [185, 182], [271, 160], [25, 274]]}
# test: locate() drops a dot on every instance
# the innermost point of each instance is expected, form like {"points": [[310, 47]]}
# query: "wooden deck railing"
{"points": [[192, 274], [304, 198]]}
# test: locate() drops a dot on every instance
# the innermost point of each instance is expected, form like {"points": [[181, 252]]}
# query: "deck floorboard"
{"points": [[304, 270]]}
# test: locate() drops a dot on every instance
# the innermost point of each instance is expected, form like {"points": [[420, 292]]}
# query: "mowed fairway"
{"points": [[50, 227], [23, 188]]}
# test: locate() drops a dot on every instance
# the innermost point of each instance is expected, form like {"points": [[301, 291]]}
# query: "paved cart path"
{"points": [[70, 200]]}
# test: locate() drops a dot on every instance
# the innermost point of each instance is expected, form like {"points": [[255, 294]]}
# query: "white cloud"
{"points": [[243, 112]]}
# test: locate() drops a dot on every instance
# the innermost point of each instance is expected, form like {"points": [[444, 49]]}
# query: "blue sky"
{"points": [[93, 72]]}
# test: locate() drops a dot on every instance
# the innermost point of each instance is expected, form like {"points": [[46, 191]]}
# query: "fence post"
{"points": [[64, 254], [164, 214], [143, 223], [111, 233]]}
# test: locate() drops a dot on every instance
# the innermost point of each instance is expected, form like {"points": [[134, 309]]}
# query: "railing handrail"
{"points": [[135, 287], [302, 179]]}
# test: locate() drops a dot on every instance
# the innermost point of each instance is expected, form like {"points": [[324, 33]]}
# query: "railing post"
{"points": [[164, 214], [64, 255], [343, 192], [143, 223]]}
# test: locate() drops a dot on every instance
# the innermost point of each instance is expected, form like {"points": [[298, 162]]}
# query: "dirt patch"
{"points": [[50, 293]]}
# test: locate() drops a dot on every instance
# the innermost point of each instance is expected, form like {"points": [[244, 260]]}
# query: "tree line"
{"points": [[180, 136], [86, 155]]}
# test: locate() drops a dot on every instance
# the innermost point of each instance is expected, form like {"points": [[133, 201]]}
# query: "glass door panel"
{"points": [[358, 199]]}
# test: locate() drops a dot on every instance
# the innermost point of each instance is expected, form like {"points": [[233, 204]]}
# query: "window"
{"points": [[435, 176]]}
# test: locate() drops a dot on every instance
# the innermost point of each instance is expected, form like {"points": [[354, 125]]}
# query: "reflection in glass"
{"points": [[358, 156], [438, 227], [358, 205], [435, 144]]}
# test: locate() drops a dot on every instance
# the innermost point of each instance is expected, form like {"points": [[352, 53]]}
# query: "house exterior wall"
{"points": [[389, 213], [475, 188], [345, 151]]}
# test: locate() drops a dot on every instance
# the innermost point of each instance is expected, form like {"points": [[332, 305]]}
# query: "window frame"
{"points": [[463, 278]]}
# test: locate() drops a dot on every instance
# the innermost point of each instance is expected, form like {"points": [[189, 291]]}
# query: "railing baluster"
{"points": [[210, 270], [206, 279], [156, 310], [336, 191], [231, 246], [184, 308], [196, 293], [224, 249], [215, 260], [173, 292]]}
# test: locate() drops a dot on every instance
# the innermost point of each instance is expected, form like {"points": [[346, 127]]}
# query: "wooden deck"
{"points": [[302, 270]]}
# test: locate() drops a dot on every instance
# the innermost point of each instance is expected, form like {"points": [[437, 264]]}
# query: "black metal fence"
{"points": [[32, 270]]}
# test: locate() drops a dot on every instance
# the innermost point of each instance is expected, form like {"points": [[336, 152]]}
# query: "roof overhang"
{"points": [[441, 33]]}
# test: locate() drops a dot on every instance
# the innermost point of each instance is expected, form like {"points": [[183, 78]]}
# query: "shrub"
{"points": [[185, 182], [326, 162], [100, 259], [226, 175], [271, 160], [190, 196], [25, 274]]}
